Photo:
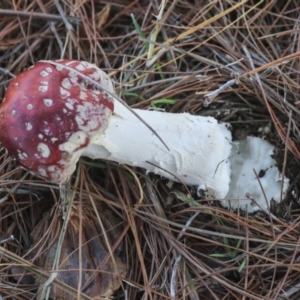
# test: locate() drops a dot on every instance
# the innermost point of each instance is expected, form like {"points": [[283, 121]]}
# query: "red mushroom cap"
{"points": [[50, 114]]}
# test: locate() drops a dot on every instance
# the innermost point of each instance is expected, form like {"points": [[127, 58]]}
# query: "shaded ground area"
{"points": [[173, 243]]}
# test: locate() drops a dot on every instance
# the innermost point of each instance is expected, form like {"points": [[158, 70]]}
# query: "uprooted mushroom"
{"points": [[55, 112]]}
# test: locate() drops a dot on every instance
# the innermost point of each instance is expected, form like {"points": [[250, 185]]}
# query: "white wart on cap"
{"points": [[50, 114]]}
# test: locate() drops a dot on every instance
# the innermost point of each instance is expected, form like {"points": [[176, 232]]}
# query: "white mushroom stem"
{"points": [[199, 147]]}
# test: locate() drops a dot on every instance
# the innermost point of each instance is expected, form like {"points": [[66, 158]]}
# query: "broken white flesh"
{"points": [[249, 155], [199, 147]]}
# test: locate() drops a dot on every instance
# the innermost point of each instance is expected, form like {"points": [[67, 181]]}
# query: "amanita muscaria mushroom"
{"points": [[55, 112]]}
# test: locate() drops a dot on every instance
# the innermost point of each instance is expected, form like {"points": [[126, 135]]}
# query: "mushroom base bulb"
{"points": [[248, 155]]}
